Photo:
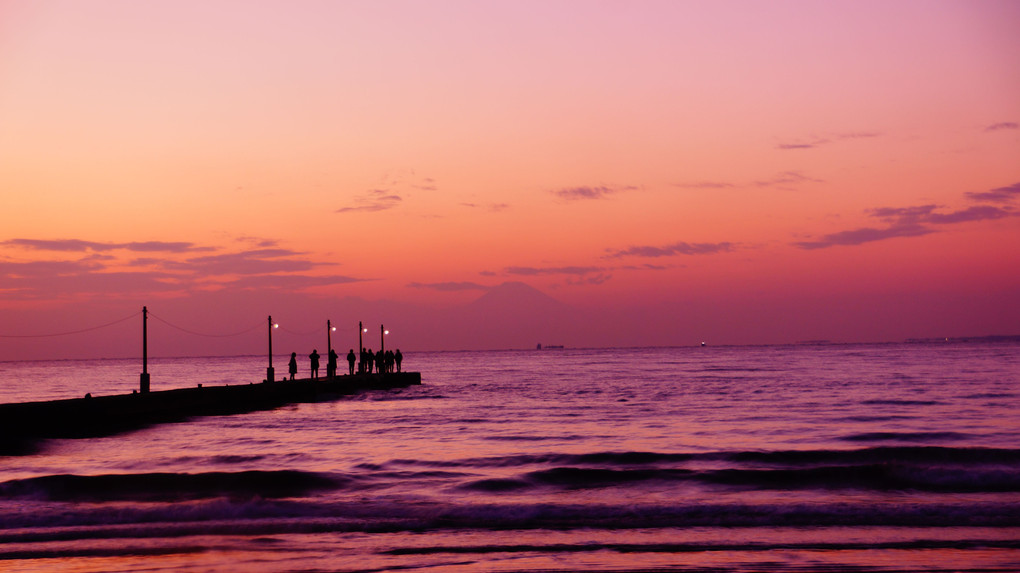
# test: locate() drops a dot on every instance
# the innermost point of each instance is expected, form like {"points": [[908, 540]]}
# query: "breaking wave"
{"points": [[880, 454], [881, 477], [169, 486], [264, 517], [925, 469]]}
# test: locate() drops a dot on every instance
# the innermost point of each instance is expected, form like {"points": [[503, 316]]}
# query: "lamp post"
{"points": [[269, 370], [382, 338], [361, 348], [143, 385], [330, 373]]}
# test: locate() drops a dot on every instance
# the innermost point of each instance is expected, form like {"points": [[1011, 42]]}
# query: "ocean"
{"points": [[863, 457]]}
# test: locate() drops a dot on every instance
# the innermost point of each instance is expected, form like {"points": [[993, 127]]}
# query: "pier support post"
{"points": [[143, 385], [330, 372], [269, 370], [361, 349]]}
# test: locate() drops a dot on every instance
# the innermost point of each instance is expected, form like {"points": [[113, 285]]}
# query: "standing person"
{"points": [[292, 366], [314, 358], [397, 357], [351, 359], [369, 360], [331, 364]]}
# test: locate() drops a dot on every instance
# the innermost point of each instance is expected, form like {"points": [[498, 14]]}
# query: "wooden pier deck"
{"points": [[105, 415]]}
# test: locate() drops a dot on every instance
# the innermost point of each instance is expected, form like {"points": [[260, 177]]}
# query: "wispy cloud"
{"points": [[970, 214], [1005, 194], [61, 280], [373, 200], [389, 192], [100, 271], [818, 141], [590, 192], [580, 193], [78, 245], [595, 279], [259, 241], [1003, 125], [671, 250], [256, 261], [783, 180], [449, 286], [493, 207], [289, 282], [571, 274], [574, 275], [568, 270], [813, 144], [865, 235], [51, 269], [427, 184], [905, 222], [645, 267], [786, 179]]}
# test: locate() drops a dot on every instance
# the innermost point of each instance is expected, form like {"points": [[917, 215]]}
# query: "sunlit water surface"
{"points": [[899, 457]]}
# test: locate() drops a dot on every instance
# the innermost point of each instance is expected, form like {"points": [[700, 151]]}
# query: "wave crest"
{"points": [[170, 486]]}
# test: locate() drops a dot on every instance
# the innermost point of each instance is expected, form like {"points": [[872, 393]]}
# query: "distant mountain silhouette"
{"points": [[515, 297], [513, 315]]}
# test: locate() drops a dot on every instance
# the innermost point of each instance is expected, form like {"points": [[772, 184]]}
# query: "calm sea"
{"points": [[894, 457]]}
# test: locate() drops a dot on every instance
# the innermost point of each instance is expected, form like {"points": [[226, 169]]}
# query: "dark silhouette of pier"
{"points": [[92, 416]]}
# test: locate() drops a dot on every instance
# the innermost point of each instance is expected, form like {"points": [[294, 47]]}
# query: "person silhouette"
{"points": [[351, 359], [292, 366], [314, 358], [397, 357], [331, 364]]}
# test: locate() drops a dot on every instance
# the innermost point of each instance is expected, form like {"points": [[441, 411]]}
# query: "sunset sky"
{"points": [[740, 172]]}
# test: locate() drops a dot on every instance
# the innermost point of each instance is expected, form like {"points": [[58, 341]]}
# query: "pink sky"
{"points": [[669, 172]]}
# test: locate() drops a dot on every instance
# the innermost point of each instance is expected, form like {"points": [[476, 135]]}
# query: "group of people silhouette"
{"points": [[367, 362]]}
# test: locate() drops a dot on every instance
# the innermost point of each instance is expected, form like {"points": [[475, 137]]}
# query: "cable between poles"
{"points": [[69, 332], [182, 329]]}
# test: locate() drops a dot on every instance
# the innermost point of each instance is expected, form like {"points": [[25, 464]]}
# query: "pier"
{"points": [[92, 416]]}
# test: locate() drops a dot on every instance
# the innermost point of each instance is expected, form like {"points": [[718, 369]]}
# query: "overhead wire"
{"points": [[79, 331], [196, 333], [159, 318], [289, 331]]}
